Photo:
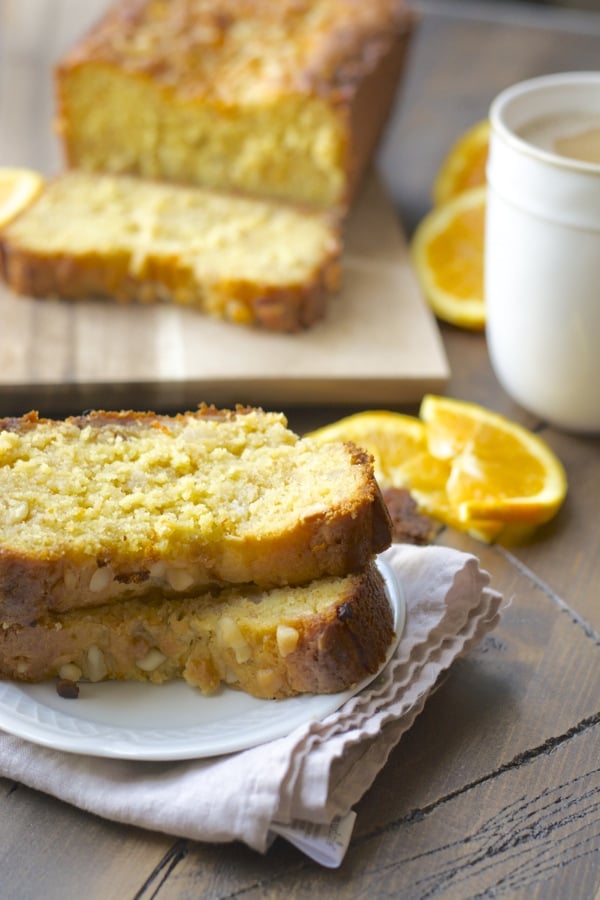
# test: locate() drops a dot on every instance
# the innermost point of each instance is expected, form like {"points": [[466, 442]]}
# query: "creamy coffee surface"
{"points": [[572, 135]]}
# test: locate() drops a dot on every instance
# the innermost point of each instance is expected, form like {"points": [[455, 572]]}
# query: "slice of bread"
{"points": [[127, 239], [277, 98], [112, 505], [320, 638]]}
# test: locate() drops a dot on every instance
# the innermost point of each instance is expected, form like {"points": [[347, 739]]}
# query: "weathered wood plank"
{"points": [[567, 550], [531, 830], [49, 849], [532, 680]]}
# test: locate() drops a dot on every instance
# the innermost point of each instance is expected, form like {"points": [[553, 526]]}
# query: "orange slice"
{"points": [[18, 188], [500, 471], [463, 465], [463, 167], [447, 250]]}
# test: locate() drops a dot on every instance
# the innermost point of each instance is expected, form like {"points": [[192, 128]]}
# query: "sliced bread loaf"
{"points": [[127, 239]]}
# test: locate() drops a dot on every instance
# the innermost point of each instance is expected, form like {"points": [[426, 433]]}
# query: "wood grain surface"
{"points": [[495, 791]]}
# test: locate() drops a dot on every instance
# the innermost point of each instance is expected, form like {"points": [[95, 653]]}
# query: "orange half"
{"points": [[447, 251]]}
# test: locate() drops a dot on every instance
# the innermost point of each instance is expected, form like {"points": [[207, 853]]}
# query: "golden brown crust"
{"points": [[353, 639], [233, 57], [83, 525], [211, 49], [322, 638], [284, 310]]}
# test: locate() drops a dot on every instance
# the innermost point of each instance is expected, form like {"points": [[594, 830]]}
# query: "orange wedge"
{"points": [[463, 167], [463, 465], [447, 251], [18, 188], [500, 470]]}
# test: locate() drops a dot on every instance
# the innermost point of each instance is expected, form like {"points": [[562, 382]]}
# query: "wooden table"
{"points": [[495, 790]]}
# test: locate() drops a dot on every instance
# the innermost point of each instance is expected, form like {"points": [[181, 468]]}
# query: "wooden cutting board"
{"points": [[378, 345]]}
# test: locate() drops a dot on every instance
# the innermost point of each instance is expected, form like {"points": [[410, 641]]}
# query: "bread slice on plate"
{"points": [[249, 262], [108, 506], [320, 638]]}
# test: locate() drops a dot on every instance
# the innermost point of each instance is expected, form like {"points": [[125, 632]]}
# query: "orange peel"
{"points": [[464, 165]]}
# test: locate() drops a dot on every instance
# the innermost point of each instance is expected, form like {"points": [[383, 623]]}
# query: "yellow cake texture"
{"points": [[281, 99], [113, 505], [247, 261], [319, 638]]}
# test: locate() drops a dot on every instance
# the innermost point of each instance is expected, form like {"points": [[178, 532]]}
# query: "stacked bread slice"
{"points": [[214, 546]]}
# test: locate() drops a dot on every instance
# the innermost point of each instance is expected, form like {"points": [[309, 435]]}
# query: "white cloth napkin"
{"points": [[319, 771]]}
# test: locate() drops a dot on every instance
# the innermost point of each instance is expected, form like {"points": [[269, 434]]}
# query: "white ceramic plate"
{"points": [[129, 720]]}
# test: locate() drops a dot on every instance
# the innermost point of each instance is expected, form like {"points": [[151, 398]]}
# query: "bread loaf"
{"points": [[129, 239], [110, 505], [320, 638], [282, 99]]}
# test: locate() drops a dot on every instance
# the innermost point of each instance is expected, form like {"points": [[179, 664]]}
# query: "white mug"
{"points": [[542, 247]]}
